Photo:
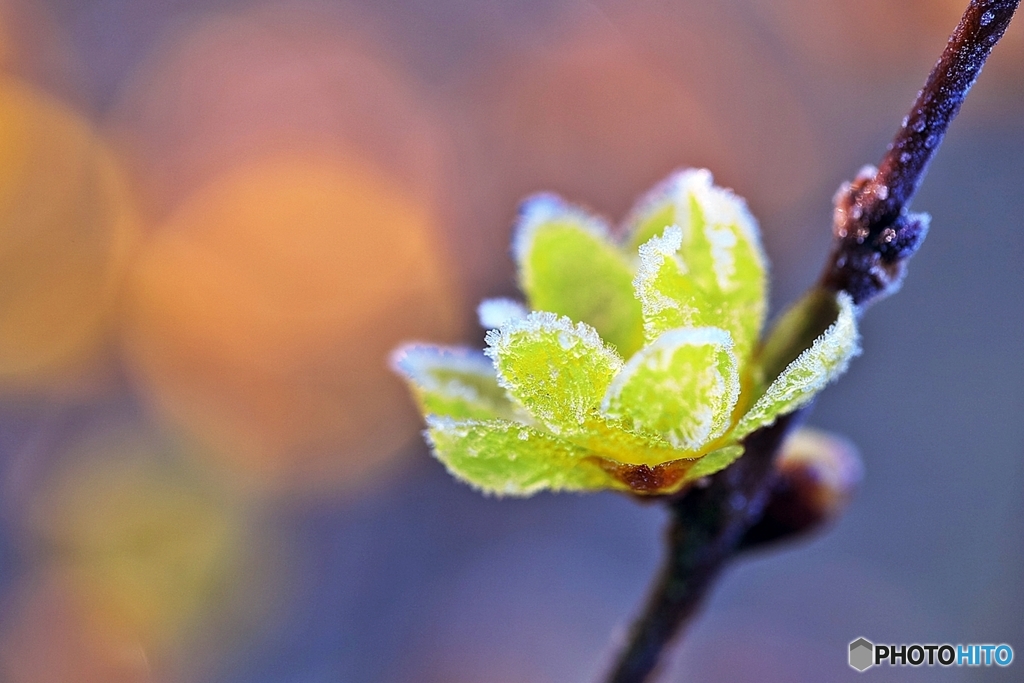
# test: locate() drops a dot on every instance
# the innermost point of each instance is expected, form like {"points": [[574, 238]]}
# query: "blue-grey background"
{"points": [[410, 576]]}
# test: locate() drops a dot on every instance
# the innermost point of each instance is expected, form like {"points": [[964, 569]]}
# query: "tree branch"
{"points": [[706, 527], [874, 232], [874, 236]]}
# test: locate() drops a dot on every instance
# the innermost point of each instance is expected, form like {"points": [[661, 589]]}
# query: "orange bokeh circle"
{"points": [[66, 225], [263, 310]]}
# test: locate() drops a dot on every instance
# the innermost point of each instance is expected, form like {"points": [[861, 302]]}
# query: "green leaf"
{"points": [[614, 439], [508, 458], [793, 333], [558, 371], [714, 462], [720, 250], [826, 359], [655, 211], [568, 265], [454, 382], [682, 387], [668, 296]]}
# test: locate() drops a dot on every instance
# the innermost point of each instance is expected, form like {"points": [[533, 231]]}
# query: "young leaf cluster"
{"points": [[636, 362]]}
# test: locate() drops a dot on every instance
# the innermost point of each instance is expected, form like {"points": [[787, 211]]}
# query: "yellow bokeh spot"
{"points": [[262, 312], [148, 549], [65, 229]]}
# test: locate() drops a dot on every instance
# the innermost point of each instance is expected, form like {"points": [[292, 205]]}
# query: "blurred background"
{"points": [[217, 218]]}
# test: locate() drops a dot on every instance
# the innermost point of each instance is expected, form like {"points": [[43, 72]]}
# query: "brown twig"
{"points": [[874, 236], [706, 527], [874, 231]]}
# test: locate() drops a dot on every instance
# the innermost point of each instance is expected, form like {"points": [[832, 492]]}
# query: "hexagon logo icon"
{"points": [[862, 654]]}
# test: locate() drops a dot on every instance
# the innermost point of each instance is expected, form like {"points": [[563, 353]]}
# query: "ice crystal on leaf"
{"points": [[636, 363]]}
